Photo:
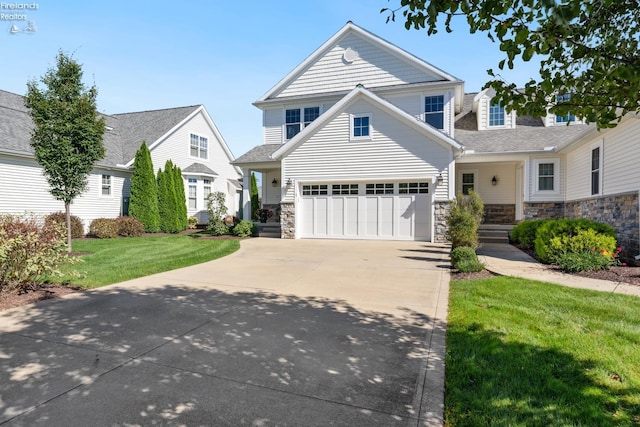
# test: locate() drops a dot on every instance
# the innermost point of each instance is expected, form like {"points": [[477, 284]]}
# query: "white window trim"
{"points": [[446, 99], [556, 175], [504, 113], [110, 195], [460, 172], [199, 135], [599, 145], [302, 126], [351, 129]]}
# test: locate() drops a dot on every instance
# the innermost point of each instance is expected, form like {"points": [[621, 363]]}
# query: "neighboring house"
{"points": [[363, 140], [186, 135]]}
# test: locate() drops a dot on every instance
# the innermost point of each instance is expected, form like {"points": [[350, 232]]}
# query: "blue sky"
{"points": [[146, 55]]}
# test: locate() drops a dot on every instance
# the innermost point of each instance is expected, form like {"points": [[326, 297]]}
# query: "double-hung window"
{"points": [[496, 115], [468, 182], [199, 146], [106, 185], [297, 119], [546, 176], [207, 191], [434, 111], [193, 192]]}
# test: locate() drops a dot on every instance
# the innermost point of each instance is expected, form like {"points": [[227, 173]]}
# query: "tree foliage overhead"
{"points": [[588, 49], [67, 132], [143, 201]]}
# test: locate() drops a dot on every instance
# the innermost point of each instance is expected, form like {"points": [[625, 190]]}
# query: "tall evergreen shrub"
{"points": [[181, 199], [143, 201], [167, 200], [255, 202]]}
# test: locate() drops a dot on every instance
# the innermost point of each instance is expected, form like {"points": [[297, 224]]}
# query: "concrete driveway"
{"points": [[282, 332]]}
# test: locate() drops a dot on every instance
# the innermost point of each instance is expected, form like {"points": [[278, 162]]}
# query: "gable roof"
{"points": [[529, 135], [351, 29], [122, 138], [361, 93], [199, 169]]}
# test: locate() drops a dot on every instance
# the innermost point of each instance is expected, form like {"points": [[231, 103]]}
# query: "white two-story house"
{"points": [[363, 140]]}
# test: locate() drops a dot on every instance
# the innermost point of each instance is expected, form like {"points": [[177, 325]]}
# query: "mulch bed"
{"points": [[35, 293]]}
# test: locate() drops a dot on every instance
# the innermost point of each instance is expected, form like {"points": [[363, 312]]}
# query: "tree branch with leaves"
{"points": [[586, 49]]}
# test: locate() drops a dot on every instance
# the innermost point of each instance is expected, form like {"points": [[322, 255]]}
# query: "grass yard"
{"points": [[526, 353], [116, 260]]}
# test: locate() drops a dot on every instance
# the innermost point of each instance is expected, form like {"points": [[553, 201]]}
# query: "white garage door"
{"points": [[384, 210]]}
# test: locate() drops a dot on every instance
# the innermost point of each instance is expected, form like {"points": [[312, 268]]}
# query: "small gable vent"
{"points": [[350, 55]]}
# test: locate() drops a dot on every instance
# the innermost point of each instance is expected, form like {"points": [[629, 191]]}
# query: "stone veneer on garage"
{"points": [[287, 221], [440, 212]]}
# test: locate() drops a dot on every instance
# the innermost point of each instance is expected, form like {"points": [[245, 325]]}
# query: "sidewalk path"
{"points": [[507, 260]]}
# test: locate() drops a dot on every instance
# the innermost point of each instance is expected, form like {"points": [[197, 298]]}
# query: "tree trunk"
{"points": [[67, 209]]}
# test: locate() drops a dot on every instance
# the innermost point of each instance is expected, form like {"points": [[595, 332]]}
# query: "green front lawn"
{"points": [[116, 260], [526, 353]]}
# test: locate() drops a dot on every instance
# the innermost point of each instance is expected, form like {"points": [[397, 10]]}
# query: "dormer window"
{"points": [[560, 99], [496, 115], [293, 119]]}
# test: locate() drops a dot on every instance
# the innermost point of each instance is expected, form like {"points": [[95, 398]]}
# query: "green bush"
{"points": [[129, 226], [565, 227], [244, 228], [586, 251], [77, 229], [103, 228], [464, 259], [29, 251], [217, 209], [463, 220], [525, 232], [143, 200]]}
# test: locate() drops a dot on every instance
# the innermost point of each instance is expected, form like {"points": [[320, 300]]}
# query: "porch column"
{"points": [[246, 194]]}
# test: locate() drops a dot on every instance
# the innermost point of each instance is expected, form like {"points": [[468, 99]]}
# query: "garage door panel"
{"points": [[386, 216], [337, 216], [351, 216], [321, 213], [405, 215]]}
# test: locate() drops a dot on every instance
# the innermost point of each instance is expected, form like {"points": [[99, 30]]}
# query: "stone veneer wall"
{"points": [[287, 221], [621, 211], [499, 214], [543, 210], [276, 211], [440, 212]]}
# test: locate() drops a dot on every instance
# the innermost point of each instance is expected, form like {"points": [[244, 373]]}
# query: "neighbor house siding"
{"points": [[375, 67], [175, 147], [395, 151], [26, 190]]}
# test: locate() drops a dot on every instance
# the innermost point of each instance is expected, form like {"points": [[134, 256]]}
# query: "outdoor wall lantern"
{"points": [[274, 183], [494, 180], [439, 179], [289, 182]]}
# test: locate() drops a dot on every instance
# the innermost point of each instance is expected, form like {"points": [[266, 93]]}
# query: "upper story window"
{"points": [[106, 185], [199, 146], [496, 115], [297, 119], [434, 111], [568, 117], [360, 126]]}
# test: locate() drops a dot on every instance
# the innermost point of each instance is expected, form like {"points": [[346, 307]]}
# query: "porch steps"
{"points": [[494, 233], [268, 229]]}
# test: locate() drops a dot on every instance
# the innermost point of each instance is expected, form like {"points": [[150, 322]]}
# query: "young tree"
{"points": [[67, 132], [181, 199], [143, 202], [255, 202], [587, 49]]}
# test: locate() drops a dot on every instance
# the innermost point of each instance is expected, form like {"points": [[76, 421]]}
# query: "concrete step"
{"points": [[494, 233]]}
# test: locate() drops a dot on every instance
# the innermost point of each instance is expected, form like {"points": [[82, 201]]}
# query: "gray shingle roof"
{"points": [[530, 133], [260, 154], [199, 168], [124, 134]]}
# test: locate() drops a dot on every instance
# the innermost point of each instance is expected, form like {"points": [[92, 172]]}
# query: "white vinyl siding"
{"points": [[395, 150], [484, 116], [272, 125], [375, 67], [502, 193], [23, 188]]}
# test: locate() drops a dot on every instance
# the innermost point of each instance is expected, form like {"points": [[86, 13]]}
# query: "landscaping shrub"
{"points": [[565, 227], [586, 251], [29, 251], [192, 222], [525, 233], [217, 209], [244, 228], [77, 229], [129, 226], [463, 220], [103, 228], [143, 201], [464, 259]]}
